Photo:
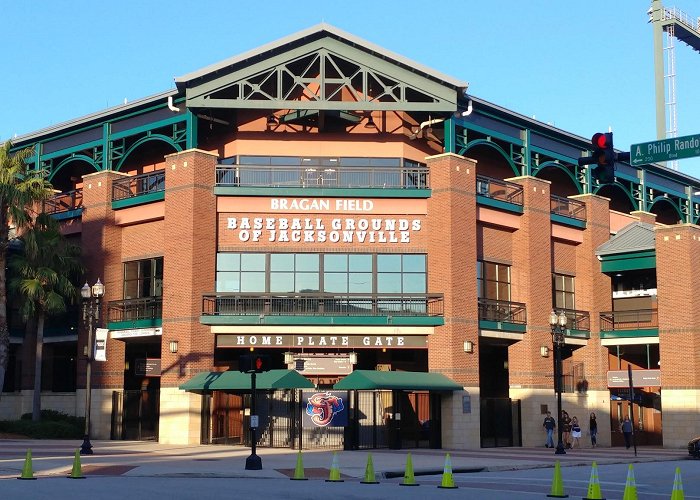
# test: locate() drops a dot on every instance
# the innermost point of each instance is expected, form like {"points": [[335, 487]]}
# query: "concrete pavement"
{"points": [[150, 459]]}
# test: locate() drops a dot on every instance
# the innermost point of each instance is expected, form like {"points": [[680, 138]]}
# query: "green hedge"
{"points": [[53, 425]]}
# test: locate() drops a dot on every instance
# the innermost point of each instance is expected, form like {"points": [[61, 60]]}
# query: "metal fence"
{"points": [[138, 185]]}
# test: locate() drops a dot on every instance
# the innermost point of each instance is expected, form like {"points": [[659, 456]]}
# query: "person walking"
{"points": [[593, 429], [549, 425], [575, 432], [627, 431], [566, 429]]}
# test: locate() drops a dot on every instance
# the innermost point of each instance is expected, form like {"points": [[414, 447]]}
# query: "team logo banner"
{"points": [[325, 409]]}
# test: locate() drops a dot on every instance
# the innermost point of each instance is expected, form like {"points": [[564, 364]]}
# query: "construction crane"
{"points": [[676, 24]]}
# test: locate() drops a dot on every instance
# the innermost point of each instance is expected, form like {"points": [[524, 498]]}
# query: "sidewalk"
{"points": [[149, 459]]}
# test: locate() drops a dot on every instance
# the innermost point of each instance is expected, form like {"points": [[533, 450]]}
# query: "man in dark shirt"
{"points": [[549, 425]]}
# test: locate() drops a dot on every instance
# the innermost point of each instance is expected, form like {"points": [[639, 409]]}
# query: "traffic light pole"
{"points": [[253, 462]]}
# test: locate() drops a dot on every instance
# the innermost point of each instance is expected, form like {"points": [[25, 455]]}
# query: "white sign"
{"points": [[313, 230], [100, 352], [136, 332], [254, 421]]}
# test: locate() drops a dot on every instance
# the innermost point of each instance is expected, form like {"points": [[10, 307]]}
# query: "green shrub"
{"points": [[57, 416], [56, 426]]}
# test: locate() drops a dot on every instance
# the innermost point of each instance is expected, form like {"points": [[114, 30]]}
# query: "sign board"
{"points": [[640, 378], [100, 353], [254, 421], [674, 148], [147, 367], [321, 341], [322, 365], [324, 409], [136, 332]]}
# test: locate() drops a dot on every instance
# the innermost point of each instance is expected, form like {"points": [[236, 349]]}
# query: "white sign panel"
{"points": [[136, 332], [100, 353]]}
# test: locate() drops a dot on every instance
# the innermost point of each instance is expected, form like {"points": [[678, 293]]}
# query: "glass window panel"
{"points": [[504, 273], [388, 283], [479, 270], [282, 262], [253, 262], [388, 263], [490, 290], [490, 271], [131, 289], [360, 263], [252, 282], [281, 282], [569, 284], [158, 267], [307, 262], [131, 270], [228, 282], [335, 282], [414, 283], [360, 283], [503, 291], [306, 282], [414, 263], [335, 262]]}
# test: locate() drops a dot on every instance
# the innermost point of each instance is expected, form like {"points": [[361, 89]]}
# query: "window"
{"points": [[493, 281], [143, 278], [563, 292]]}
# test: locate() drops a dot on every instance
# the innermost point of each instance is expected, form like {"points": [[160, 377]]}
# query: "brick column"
{"points": [[452, 270], [189, 266], [677, 262], [645, 217]]}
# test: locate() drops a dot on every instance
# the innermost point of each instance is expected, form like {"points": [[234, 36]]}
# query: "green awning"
{"points": [[418, 381], [237, 381]]}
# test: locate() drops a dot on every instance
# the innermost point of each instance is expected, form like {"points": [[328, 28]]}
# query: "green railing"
{"points": [[502, 311], [499, 190], [639, 319], [567, 207], [137, 185], [64, 202], [135, 309]]}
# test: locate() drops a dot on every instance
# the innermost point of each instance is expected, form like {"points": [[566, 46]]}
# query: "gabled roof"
{"points": [[313, 33], [635, 237]]}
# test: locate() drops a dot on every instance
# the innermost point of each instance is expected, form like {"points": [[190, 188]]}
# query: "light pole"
{"points": [[558, 324], [91, 313]]}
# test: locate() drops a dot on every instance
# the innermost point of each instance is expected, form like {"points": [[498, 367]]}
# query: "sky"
{"points": [[581, 66]]}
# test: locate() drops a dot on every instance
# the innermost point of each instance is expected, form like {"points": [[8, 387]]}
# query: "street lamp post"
{"points": [[558, 324], [91, 313]]}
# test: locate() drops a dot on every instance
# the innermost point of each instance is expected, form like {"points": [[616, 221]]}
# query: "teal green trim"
{"points": [[324, 320], [148, 127], [568, 221], [624, 334], [499, 149], [73, 149], [320, 192], [503, 205], [553, 154], [138, 200], [667, 201], [450, 139], [71, 214], [191, 129], [628, 261], [490, 133], [138, 323], [65, 161], [665, 189], [106, 147], [142, 140], [579, 334], [501, 326]]}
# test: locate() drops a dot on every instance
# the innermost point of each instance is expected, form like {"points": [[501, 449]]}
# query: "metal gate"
{"points": [[372, 412], [500, 422], [135, 415]]}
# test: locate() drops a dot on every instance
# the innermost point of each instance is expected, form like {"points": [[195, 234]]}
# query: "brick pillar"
{"points": [[452, 270], [645, 217], [189, 265], [677, 261], [532, 284], [101, 256]]}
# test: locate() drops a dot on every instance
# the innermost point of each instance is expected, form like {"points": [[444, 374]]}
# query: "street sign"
{"points": [[674, 148]]}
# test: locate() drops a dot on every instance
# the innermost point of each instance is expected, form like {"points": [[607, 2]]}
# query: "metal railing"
{"points": [[322, 304], [138, 185], [502, 311], [64, 202], [135, 309], [567, 207], [326, 177], [499, 190], [577, 320], [629, 320]]}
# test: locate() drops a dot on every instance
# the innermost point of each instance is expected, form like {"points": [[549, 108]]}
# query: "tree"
{"points": [[42, 277], [21, 189]]}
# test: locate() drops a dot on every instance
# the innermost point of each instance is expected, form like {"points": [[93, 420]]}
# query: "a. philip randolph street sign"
{"points": [[674, 148]]}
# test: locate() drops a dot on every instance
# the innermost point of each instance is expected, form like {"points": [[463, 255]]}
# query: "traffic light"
{"points": [[258, 363], [603, 157]]}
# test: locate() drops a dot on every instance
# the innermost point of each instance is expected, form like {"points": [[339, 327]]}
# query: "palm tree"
{"points": [[20, 190], [42, 277]]}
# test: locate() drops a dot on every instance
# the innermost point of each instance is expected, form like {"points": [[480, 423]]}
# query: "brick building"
{"points": [[350, 212]]}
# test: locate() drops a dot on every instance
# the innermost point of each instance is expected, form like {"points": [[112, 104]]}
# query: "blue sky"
{"points": [[581, 66]]}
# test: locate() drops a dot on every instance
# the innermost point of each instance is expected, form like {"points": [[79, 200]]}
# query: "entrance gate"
{"points": [[500, 422], [135, 415]]}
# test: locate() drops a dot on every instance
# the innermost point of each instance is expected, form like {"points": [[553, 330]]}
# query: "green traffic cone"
{"points": [[77, 472], [334, 476], [299, 469], [27, 471], [557, 490], [408, 478], [370, 476]]}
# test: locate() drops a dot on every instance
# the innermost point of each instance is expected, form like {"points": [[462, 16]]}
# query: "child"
{"points": [[575, 432]]}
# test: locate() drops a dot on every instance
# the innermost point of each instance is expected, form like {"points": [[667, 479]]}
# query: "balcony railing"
{"points": [[567, 207], [322, 304], [137, 185], [502, 311], [135, 309], [499, 190], [64, 202], [577, 320], [335, 177], [629, 320]]}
